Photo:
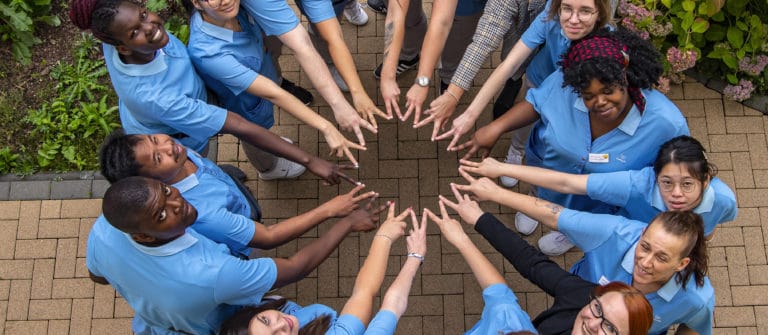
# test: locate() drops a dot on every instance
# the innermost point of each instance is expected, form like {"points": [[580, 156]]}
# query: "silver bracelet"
{"points": [[418, 256], [452, 95]]}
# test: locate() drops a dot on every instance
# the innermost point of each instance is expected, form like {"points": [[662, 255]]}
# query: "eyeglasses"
{"points": [[582, 14], [597, 311], [667, 185], [213, 3]]}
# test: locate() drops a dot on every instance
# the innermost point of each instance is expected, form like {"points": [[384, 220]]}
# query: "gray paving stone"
{"points": [[5, 190], [30, 190], [98, 187], [71, 189]]}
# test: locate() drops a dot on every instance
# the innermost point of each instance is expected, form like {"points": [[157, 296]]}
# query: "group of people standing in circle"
{"points": [[612, 166]]}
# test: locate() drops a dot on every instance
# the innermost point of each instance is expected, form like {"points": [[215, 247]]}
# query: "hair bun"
{"points": [[80, 13]]}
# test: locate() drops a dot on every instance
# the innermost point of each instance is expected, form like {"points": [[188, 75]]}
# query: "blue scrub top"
{"points": [[383, 323], [501, 313], [542, 30], [223, 212], [195, 282], [164, 96], [561, 140], [318, 11], [609, 243], [639, 197], [230, 61], [274, 17]]}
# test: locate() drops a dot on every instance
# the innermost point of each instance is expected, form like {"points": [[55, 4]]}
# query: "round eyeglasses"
{"points": [[582, 14], [667, 185], [597, 311]]}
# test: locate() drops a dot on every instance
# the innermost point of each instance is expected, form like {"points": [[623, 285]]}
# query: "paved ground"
{"points": [[43, 280]]}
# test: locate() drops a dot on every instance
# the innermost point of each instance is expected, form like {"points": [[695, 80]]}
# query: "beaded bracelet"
{"points": [[418, 256]]}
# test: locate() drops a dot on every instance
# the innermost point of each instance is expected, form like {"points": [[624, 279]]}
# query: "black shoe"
{"points": [[297, 91], [443, 87], [378, 6], [402, 66]]}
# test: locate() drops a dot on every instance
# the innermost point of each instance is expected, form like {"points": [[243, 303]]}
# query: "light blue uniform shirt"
{"points": [[638, 195], [542, 30], [383, 323], [230, 61], [501, 313], [562, 140], [318, 11], [274, 17], [223, 212], [609, 243], [345, 324], [190, 284], [164, 96]]}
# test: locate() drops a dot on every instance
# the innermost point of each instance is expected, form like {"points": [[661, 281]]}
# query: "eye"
{"points": [[162, 215], [264, 320], [585, 12], [598, 308], [166, 190], [610, 328], [645, 247], [662, 259], [144, 15], [587, 97]]}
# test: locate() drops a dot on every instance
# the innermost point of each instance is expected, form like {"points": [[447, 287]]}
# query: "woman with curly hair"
{"points": [[599, 113]]}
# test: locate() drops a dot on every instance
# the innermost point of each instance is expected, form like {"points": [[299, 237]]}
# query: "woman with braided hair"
{"points": [[160, 92], [598, 113]]}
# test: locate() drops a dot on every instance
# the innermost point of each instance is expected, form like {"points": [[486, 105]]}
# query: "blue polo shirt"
{"points": [[274, 17], [190, 284], [561, 140], [542, 30], [638, 195], [609, 244], [501, 313], [345, 324], [318, 11], [383, 323], [229, 62], [164, 96], [223, 212]]}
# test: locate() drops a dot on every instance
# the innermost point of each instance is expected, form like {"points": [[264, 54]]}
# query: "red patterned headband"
{"points": [[596, 47]]}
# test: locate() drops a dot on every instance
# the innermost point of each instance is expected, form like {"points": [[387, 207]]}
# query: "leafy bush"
{"points": [[176, 22], [18, 24], [732, 37]]}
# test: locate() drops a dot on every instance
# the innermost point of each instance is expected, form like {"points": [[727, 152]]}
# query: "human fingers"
{"points": [[433, 217], [354, 191], [467, 176], [338, 174], [349, 155], [455, 192], [447, 202], [469, 163], [426, 121], [359, 134], [443, 211]]}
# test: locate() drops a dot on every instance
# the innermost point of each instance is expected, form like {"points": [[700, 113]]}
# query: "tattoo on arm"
{"points": [[555, 208], [389, 30]]}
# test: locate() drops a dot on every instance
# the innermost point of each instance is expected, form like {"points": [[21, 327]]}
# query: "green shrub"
{"points": [[18, 24]]}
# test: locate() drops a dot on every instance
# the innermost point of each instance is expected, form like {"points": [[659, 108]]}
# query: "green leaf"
{"points": [[714, 6], [731, 61], [732, 79], [715, 33], [742, 26], [700, 25], [666, 3], [689, 5], [51, 20], [735, 37], [740, 53], [18, 21]]}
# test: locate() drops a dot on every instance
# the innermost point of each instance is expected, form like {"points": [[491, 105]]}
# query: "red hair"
{"points": [[639, 309]]}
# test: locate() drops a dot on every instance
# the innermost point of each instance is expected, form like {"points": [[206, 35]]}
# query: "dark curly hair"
{"points": [[117, 158], [96, 16], [642, 71], [238, 323]]}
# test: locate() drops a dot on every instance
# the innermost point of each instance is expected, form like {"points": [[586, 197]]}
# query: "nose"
{"points": [[645, 261], [574, 17], [176, 201], [593, 324], [677, 190]]}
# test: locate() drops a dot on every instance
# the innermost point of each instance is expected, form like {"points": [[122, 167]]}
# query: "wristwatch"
{"points": [[422, 81]]}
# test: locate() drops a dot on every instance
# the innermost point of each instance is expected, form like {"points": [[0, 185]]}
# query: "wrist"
{"points": [[417, 256]]}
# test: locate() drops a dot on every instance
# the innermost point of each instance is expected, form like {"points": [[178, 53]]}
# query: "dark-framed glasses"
{"points": [[597, 311], [583, 14]]}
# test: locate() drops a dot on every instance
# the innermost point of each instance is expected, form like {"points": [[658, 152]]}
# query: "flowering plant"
{"points": [[721, 38]]}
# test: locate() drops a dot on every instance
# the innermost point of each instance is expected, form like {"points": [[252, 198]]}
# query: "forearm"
{"points": [[541, 210], [272, 236], [266, 88], [330, 31], [369, 279], [498, 77], [308, 258], [394, 34], [264, 139], [557, 181], [485, 273], [437, 33], [396, 298]]}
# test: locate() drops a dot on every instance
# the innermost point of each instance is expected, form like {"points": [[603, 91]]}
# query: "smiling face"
{"points": [[218, 12], [680, 190], [608, 103], [273, 322], [615, 316], [578, 18], [658, 256], [165, 216], [140, 32], [161, 158]]}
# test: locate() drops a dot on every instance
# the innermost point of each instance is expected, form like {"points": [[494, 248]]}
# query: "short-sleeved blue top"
{"points": [[223, 212], [609, 243], [501, 313], [195, 282], [164, 96], [274, 17], [638, 195], [562, 140]]}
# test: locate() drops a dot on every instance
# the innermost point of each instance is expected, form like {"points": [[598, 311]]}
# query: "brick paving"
{"points": [[44, 285]]}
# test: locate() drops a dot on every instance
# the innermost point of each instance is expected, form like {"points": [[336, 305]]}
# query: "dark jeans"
{"points": [[507, 97]]}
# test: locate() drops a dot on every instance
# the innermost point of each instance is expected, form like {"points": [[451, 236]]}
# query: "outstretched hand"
{"points": [[344, 204], [329, 172], [394, 226], [468, 209], [417, 236], [488, 167], [450, 228], [482, 142], [340, 145], [366, 218], [483, 189], [440, 110]]}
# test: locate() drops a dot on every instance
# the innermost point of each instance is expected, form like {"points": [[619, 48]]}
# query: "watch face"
{"points": [[422, 81]]}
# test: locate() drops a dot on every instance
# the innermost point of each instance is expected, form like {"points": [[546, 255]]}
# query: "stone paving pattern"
{"points": [[44, 285]]}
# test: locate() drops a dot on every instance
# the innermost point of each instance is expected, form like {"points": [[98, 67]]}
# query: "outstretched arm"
{"points": [[272, 236], [371, 274], [396, 298], [561, 182], [298, 40], [330, 31], [394, 34], [296, 267], [484, 189]]}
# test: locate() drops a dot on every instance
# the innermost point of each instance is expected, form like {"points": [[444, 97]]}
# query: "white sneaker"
{"points": [[337, 78], [513, 157], [355, 14], [284, 169], [524, 224], [554, 243]]}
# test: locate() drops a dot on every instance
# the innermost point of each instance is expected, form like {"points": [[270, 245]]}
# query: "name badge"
{"points": [[603, 281], [598, 158]]}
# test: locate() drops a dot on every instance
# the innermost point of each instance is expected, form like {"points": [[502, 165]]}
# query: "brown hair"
{"points": [[604, 12], [639, 309], [238, 323], [689, 226]]}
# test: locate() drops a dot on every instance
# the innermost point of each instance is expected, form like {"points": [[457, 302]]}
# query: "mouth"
{"points": [[584, 328], [677, 205], [289, 322], [641, 271], [157, 35]]}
